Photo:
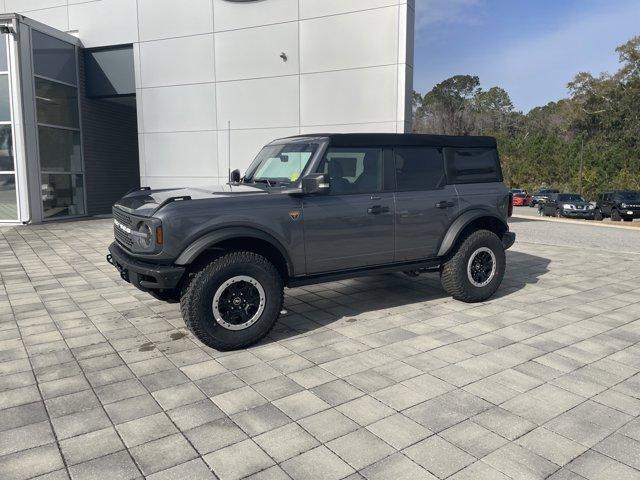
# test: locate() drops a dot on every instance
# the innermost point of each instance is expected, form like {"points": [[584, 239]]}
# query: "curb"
{"points": [[593, 223]]}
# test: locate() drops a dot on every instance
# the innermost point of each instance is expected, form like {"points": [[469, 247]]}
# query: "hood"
{"points": [[146, 202]]}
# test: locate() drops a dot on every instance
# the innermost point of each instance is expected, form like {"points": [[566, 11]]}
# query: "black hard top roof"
{"points": [[398, 139]]}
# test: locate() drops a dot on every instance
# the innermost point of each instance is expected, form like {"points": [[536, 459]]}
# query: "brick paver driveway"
{"points": [[381, 377]]}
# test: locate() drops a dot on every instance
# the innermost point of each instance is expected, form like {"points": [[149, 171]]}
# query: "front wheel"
{"points": [[615, 216], [234, 301], [598, 215], [476, 269]]}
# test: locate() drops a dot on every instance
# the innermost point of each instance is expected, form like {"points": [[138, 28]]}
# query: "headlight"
{"points": [[144, 238], [591, 207], [568, 206], [624, 205]]}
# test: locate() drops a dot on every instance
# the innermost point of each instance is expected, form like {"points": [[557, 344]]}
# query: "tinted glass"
{"points": [[59, 150], [353, 170], [53, 58], [57, 104], [419, 168], [8, 203], [6, 149], [570, 197], [62, 195], [628, 196], [473, 165], [3, 53], [5, 105]]}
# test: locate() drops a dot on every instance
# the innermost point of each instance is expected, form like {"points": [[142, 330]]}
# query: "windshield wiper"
{"points": [[267, 181]]}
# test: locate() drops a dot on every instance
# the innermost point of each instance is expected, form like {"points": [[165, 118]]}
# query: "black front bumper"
{"points": [[143, 275], [587, 214]]}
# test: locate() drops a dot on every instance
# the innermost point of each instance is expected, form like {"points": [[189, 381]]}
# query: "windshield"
{"points": [[628, 196], [280, 164], [570, 197]]}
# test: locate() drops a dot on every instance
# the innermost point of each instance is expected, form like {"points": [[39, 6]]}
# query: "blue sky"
{"points": [[532, 48]]}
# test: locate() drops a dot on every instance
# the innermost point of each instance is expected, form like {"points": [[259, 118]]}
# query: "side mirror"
{"points": [[234, 177], [315, 183]]}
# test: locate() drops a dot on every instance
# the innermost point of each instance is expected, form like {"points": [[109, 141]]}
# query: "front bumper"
{"points": [[629, 213], [588, 214], [143, 275], [508, 239]]}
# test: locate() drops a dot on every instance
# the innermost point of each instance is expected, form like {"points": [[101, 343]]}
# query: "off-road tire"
{"points": [[558, 213], [453, 272], [598, 216], [196, 302], [626, 219], [615, 216]]}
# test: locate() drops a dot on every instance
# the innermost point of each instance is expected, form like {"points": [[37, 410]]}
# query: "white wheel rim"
{"points": [[481, 277], [226, 312]]}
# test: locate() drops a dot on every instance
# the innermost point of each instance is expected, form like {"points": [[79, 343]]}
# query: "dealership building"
{"points": [[98, 97]]}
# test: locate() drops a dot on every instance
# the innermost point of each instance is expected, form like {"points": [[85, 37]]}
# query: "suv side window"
{"points": [[353, 170], [472, 165], [419, 168]]}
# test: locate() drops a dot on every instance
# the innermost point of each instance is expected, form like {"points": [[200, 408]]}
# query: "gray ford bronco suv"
{"points": [[312, 209]]}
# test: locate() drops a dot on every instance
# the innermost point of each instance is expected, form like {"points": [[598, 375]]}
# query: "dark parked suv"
{"points": [[569, 205], [312, 209], [618, 205]]}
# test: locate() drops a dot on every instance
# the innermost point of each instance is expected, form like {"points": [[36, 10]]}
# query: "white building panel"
{"points": [[105, 22], [28, 5], [256, 52], [320, 8], [179, 108], [349, 96], [167, 18], [262, 103], [177, 61], [181, 154], [56, 17], [235, 15], [356, 40]]}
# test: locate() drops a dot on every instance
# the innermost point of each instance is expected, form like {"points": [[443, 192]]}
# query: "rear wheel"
{"points": [[615, 216], [476, 269], [233, 301], [558, 213], [598, 215]]}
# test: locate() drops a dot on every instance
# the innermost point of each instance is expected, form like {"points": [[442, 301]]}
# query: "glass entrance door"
{"points": [[58, 120], [8, 196]]}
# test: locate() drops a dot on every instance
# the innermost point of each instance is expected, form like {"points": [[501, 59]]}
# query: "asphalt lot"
{"points": [[616, 238], [379, 378]]}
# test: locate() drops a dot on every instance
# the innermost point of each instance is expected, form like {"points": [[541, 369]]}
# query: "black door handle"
{"points": [[444, 204]]}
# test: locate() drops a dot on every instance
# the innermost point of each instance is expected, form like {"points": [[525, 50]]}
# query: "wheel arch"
{"points": [[471, 220], [238, 238]]}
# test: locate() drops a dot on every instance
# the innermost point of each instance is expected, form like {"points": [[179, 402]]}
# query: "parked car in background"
{"points": [[569, 205], [520, 199], [541, 196], [618, 205]]}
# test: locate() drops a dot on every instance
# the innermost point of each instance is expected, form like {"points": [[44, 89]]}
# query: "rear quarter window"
{"points": [[472, 165]]}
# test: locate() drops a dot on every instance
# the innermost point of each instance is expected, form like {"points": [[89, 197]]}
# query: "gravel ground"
{"points": [[618, 240]]}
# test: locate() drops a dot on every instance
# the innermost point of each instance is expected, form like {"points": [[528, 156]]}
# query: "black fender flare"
{"points": [[460, 223], [209, 239]]}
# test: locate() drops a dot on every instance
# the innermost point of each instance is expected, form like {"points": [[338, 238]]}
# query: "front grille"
{"points": [[122, 237]]}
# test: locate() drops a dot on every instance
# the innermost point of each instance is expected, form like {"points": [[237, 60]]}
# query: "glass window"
{"points": [[6, 149], [56, 104], [473, 165], [53, 58], [353, 170], [419, 168], [4, 66], [8, 202], [5, 101], [62, 195], [280, 164], [59, 150]]}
